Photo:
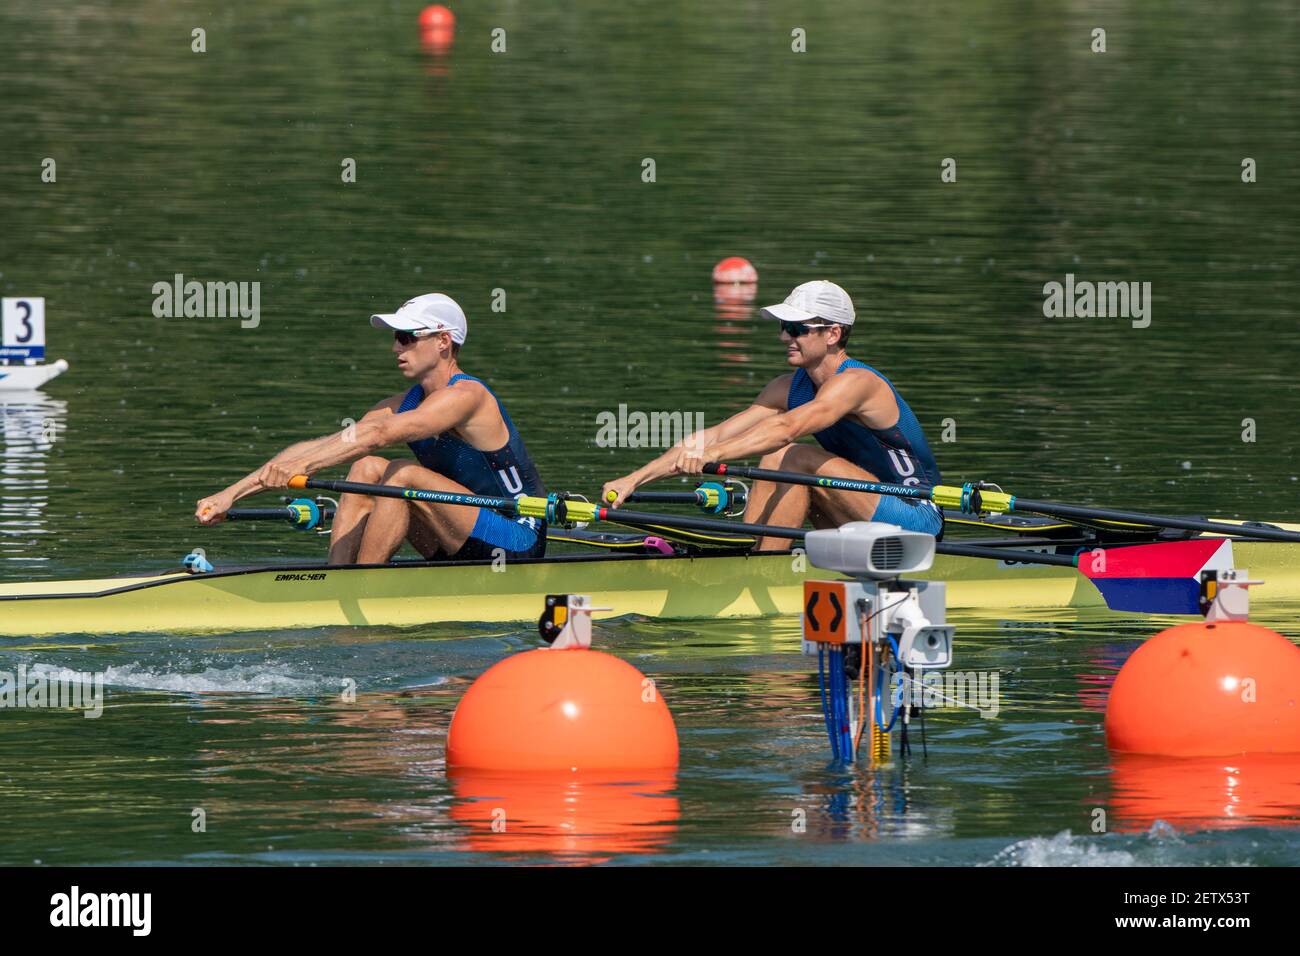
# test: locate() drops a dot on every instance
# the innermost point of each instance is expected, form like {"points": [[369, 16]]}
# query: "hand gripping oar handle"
{"points": [[260, 514], [713, 497], [302, 513], [710, 496]]}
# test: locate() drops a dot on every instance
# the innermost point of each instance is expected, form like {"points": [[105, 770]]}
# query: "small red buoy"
{"points": [[562, 710], [735, 269], [1208, 689], [437, 17], [437, 29]]}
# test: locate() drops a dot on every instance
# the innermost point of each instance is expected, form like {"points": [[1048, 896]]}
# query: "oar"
{"points": [[971, 499], [1158, 578], [554, 508], [551, 508], [418, 494]]}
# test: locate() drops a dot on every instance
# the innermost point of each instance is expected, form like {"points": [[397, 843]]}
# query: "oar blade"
{"points": [[1159, 578]]}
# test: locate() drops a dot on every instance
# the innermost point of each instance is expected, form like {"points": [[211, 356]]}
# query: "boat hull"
{"points": [[411, 593], [403, 594], [27, 378]]}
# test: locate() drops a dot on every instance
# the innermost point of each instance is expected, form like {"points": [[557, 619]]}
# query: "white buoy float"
{"points": [[22, 349]]}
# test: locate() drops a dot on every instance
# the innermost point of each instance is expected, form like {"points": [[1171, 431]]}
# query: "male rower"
{"points": [[461, 436], [863, 428]]}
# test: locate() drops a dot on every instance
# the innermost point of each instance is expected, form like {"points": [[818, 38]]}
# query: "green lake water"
{"points": [[520, 173]]}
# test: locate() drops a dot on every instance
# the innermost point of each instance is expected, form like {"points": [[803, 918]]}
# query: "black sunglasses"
{"points": [[796, 329], [409, 338]]}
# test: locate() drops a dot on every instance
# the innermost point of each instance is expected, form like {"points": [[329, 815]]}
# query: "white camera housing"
{"points": [[872, 549], [928, 646]]}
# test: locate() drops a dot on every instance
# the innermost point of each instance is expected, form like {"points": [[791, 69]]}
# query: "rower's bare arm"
{"points": [[214, 507], [770, 402], [296, 459], [345, 445], [444, 411], [842, 396], [382, 426], [763, 409]]}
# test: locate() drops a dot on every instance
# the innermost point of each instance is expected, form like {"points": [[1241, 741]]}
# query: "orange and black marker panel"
{"points": [[825, 612], [554, 616]]}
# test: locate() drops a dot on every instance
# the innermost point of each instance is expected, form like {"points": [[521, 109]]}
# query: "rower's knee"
{"points": [[369, 469], [793, 457], [398, 472], [774, 459]]}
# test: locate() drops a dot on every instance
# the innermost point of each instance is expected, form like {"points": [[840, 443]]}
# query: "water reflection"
{"points": [[33, 422], [733, 306], [437, 27], [875, 803], [574, 817], [1205, 792]]}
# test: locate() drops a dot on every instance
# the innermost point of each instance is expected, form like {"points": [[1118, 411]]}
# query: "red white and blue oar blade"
{"points": [[1160, 578]]}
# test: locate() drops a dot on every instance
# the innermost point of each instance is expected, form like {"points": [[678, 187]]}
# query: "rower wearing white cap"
{"points": [[462, 439], [863, 429]]}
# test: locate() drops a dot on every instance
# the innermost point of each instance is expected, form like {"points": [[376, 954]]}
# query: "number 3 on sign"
{"points": [[24, 328]]}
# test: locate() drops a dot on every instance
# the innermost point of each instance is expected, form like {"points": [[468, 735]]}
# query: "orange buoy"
{"points": [[437, 29], [567, 710], [437, 17], [735, 269], [1208, 689]]}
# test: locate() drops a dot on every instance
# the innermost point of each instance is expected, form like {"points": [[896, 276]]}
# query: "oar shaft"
{"points": [[1005, 554], [1156, 521], [410, 494], [640, 518], [798, 534], [917, 492], [970, 498]]}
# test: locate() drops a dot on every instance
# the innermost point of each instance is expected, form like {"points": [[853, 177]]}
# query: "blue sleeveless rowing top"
{"points": [[898, 455], [506, 472]]}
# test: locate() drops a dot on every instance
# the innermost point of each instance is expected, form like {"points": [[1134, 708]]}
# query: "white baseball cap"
{"points": [[434, 311], [818, 299]]}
